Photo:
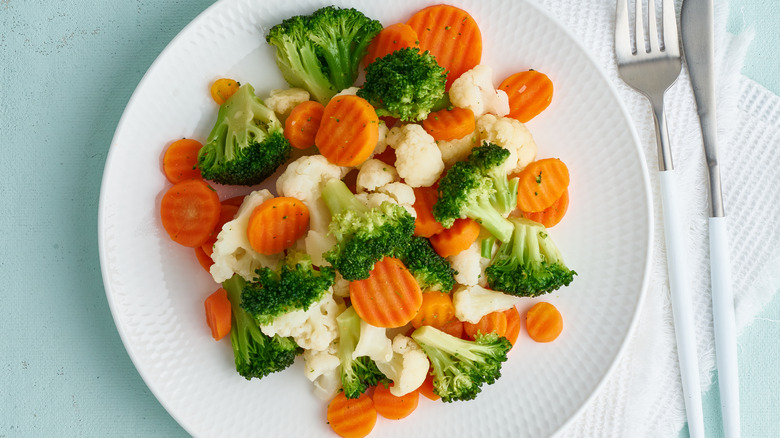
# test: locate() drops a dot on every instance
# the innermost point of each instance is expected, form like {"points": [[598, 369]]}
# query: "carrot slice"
{"points": [[424, 199], [388, 40], [530, 92], [394, 407], [218, 313], [493, 322], [451, 35], [189, 211], [302, 124], [457, 238], [276, 224], [180, 161], [513, 323], [426, 388], [544, 322], [349, 131], [222, 89], [204, 259], [541, 183], [450, 124], [351, 418], [226, 214], [551, 215], [436, 310], [389, 297]]}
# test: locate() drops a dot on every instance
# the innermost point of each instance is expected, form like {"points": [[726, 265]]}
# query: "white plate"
{"points": [[156, 288]]}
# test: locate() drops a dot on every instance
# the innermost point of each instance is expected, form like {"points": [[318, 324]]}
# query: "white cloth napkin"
{"points": [[643, 396]]}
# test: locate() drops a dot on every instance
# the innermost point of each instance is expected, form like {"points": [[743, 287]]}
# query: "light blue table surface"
{"points": [[67, 69]]}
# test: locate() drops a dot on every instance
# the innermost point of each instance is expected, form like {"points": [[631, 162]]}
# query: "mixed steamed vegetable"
{"points": [[394, 250]]}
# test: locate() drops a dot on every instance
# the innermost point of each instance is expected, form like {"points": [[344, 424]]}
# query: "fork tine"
{"points": [[622, 38], [652, 21], [639, 28], [671, 40]]}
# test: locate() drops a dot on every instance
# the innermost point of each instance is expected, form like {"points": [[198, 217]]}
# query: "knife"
{"points": [[697, 29]]}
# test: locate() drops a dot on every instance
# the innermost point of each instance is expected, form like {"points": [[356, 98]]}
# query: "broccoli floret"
{"points": [[461, 367], [404, 84], [489, 158], [465, 191], [357, 374], [294, 285], [364, 236], [256, 354], [530, 264], [246, 144], [321, 52], [432, 271]]}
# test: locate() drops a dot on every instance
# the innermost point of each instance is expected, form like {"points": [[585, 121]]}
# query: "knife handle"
{"points": [[724, 325], [682, 307]]}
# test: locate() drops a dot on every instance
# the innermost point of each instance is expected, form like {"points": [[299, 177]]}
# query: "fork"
{"points": [[652, 72]]}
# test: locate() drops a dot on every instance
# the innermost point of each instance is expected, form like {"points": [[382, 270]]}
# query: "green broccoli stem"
{"points": [[243, 324], [505, 202], [338, 198], [486, 215], [486, 248]]}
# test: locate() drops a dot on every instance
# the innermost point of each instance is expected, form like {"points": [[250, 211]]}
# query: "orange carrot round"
{"points": [[457, 238], [389, 297], [189, 211], [451, 35], [493, 322], [450, 124], [349, 131], [426, 388], [276, 224], [530, 92], [551, 215], [180, 161], [454, 327], [302, 124], [424, 199], [222, 89], [394, 407], [203, 259], [541, 183], [226, 214], [351, 418], [388, 40], [513, 323], [436, 310], [218, 313], [544, 322]]}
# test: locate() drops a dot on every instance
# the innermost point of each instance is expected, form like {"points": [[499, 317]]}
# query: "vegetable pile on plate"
{"points": [[399, 240]]}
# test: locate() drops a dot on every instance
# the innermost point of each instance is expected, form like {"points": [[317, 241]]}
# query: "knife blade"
{"points": [[698, 40]]}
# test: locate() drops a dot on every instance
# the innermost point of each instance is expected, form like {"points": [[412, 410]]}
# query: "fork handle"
{"points": [[682, 308], [661, 134]]}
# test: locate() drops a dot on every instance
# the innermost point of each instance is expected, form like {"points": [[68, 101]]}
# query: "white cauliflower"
{"points": [[470, 265], [474, 90], [374, 174], [408, 367], [510, 134], [321, 367], [340, 286], [351, 91], [283, 101], [418, 158], [232, 251], [456, 150], [374, 343], [473, 302], [312, 329]]}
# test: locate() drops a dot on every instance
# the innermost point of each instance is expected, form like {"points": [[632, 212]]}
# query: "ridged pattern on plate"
{"points": [[156, 287]]}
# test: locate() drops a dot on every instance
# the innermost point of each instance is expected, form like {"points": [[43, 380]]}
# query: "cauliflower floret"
{"points": [[408, 367], [351, 91], [456, 150], [510, 134], [373, 200], [374, 174], [473, 302], [474, 90], [400, 193], [418, 159], [321, 367], [470, 265], [312, 329], [340, 286], [374, 343], [283, 101], [232, 251]]}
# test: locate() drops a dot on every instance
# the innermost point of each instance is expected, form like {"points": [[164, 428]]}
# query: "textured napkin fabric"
{"points": [[643, 395]]}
